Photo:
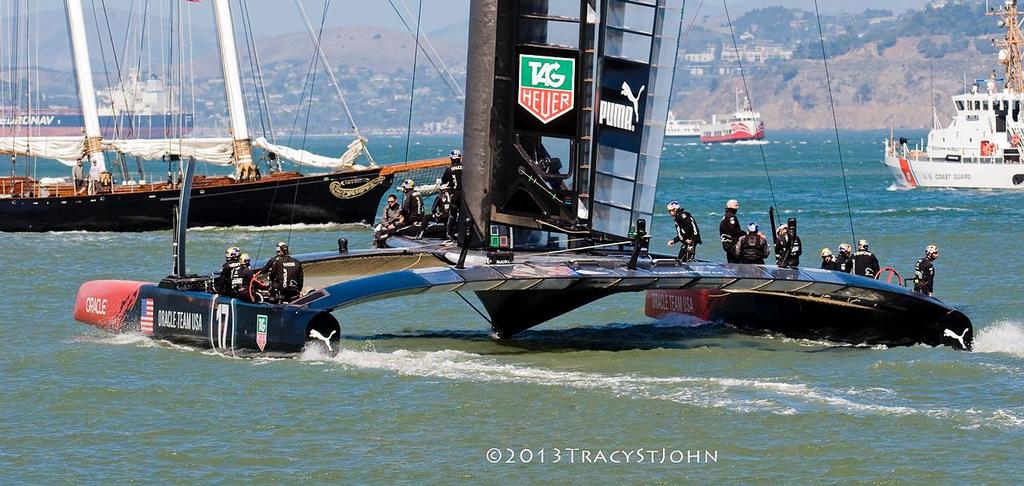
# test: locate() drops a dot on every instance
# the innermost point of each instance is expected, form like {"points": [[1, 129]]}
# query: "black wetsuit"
{"points": [[412, 215], [845, 263], [830, 265], [924, 276], [452, 177], [687, 235], [752, 248], [285, 274], [440, 214], [865, 264], [794, 254], [241, 282], [730, 232], [222, 283]]}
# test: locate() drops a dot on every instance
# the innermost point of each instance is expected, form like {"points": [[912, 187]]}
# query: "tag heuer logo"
{"points": [[547, 86], [261, 331]]}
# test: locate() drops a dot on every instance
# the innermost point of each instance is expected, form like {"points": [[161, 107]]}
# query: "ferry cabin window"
{"points": [[984, 105], [960, 105], [977, 105]]}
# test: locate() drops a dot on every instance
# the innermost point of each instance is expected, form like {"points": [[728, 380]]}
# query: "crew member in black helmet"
{"points": [[865, 263], [687, 232], [285, 275], [782, 244], [452, 179], [924, 271], [753, 247], [730, 231], [845, 258], [411, 223], [222, 284]]}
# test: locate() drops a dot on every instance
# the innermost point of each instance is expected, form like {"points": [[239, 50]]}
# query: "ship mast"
{"points": [[1010, 48], [242, 149], [83, 76]]}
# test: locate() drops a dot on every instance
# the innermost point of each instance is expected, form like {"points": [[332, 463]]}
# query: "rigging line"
{"points": [[471, 306], [120, 76], [746, 92], [692, 22], [259, 71], [835, 121], [302, 96], [443, 71], [247, 31], [309, 109], [334, 81], [412, 87]]}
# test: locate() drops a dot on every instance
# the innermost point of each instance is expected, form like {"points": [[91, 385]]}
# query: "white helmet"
{"points": [[845, 248], [931, 250], [245, 258], [825, 252], [752, 227], [408, 185], [455, 155], [232, 253], [862, 245], [673, 206], [732, 204]]}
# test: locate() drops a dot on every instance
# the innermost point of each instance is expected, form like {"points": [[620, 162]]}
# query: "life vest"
{"points": [[750, 249]]}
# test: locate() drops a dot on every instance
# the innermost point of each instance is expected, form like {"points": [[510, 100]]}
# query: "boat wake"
{"points": [[745, 395], [1005, 337]]}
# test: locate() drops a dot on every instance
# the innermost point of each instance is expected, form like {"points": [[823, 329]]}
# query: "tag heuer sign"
{"points": [[261, 331], [547, 85]]}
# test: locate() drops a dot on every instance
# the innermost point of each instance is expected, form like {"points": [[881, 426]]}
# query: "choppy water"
{"points": [[420, 394]]}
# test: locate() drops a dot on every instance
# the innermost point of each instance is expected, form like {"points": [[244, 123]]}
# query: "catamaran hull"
{"points": [[967, 174], [817, 318], [351, 197], [201, 320]]}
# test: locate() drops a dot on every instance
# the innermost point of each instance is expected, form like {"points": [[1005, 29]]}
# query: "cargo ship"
{"points": [[135, 108]]}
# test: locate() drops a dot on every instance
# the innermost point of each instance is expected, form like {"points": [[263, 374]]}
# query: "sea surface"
{"points": [[420, 394]]}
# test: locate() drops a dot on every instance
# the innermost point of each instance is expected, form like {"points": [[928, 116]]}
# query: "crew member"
{"points": [[222, 284], [845, 258], [389, 223], [865, 263], [752, 247], [411, 223], [787, 254], [440, 213], [78, 176], [94, 178], [243, 279], [452, 179], [687, 232], [730, 231], [285, 275], [828, 260], [924, 271]]}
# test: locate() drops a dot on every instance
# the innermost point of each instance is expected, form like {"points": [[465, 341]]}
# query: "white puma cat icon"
{"points": [[628, 93], [953, 335]]}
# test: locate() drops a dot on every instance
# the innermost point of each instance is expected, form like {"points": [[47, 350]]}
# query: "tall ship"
{"points": [[981, 146], [743, 124], [134, 108], [139, 122], [675, 127]]}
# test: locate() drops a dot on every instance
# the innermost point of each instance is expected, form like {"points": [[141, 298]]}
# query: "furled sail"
{"points": [[65, 150], [212, 150], [347, 160]]}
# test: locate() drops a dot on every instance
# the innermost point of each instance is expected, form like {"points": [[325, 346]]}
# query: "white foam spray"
{"points": [[1002, 337]]}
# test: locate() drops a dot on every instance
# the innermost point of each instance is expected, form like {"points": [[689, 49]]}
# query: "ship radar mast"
{"points": [[1010, 48]]}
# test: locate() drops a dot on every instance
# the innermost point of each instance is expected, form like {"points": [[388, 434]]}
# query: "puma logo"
{"points": [[953, 335], [327, 340], [635, 99]]}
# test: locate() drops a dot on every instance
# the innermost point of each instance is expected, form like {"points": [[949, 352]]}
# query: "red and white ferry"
{"points": [[744, 124]]}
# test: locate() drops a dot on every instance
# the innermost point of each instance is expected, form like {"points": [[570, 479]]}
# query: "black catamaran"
{"points": [[565, 117]]}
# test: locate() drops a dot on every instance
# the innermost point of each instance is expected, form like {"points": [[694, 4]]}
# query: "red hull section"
{"points": [[104, 303]]}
